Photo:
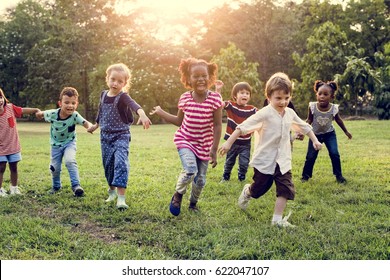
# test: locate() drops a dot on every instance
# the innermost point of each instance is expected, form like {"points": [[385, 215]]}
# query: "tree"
{"points": [[327, 50], [358, 82], [23, 29], [233, 68], [382, 95]]}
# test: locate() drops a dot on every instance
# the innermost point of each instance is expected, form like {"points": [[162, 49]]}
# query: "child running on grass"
{"points": [[199, 119], [115, 116], [10, 150], [320, 116], [63, 139], [272, 156], [237, 110]]}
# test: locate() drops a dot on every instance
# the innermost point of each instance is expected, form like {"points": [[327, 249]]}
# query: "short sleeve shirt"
{"points": [[9, 138], [62, 131]]}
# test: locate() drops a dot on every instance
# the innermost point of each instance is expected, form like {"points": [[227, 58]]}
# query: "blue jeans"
{"points": [[68, 153], [330, 141], [243, 153], [194, 171]]}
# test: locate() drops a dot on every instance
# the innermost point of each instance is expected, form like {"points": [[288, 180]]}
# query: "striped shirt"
{"points": [[9, 138], [196, 131], [236, 114]]}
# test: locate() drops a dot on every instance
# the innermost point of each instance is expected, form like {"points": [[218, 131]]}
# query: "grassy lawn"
{"points": [[337, 222]]}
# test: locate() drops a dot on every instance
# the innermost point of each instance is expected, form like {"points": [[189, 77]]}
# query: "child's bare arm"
{"points": [[30, 110], [143, 118], [340, 122], [176, 120]]}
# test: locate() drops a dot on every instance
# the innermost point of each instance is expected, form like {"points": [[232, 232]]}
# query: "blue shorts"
{"points": [[11, 158]]}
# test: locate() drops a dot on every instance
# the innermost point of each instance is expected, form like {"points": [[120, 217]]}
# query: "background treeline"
{"points": [[46, 45]]}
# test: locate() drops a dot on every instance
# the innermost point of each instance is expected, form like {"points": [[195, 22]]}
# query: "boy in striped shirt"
{"points": [[237, 110]]}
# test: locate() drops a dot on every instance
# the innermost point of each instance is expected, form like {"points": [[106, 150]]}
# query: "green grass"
{"points": [[338, 222]]}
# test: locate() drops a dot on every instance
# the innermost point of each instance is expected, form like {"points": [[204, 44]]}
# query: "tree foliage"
{"points": [[49, 44]]}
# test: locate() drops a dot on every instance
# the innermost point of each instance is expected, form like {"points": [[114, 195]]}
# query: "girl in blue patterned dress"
{"points": [[114, 118]]}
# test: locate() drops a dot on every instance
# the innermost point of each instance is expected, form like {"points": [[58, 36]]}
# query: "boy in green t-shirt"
{"points": [[63, 138]]}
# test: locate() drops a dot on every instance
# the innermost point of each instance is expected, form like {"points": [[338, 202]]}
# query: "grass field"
{"points": [[337, 222]]}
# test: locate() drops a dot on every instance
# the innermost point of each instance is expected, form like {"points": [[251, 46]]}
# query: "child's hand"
{"points": [[349, 135], [317, 145], [299, 136], [218, 85], [92, 128], [39, 115], [156, 110], [224, 148], [145, 121], [213, 160]]}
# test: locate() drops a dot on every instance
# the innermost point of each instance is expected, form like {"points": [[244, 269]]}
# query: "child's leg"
{"points": [[231, 157], [285, 190], [243, 161], [199, 181], [188, 161], [13, 168], [311, 157], [71, 165], [55, 167], [3, 166], [331, 144], [121, 203]]}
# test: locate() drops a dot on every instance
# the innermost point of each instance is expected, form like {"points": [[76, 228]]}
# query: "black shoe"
{"points": [[193, 207], [78, 191], [304, 179], [54, 190], [341, 180]]}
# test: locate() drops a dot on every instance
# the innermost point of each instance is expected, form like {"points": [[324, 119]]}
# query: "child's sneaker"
{"points": [[78, 191], [14, 190], [121, 203], [341, 180], [193, 207], [54, 191], [112, 195], [174, 206], [3, 193], [244, 198], [284, 223]]}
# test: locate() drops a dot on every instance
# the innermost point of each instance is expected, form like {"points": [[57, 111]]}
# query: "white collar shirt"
{"points": [[272, 138]]}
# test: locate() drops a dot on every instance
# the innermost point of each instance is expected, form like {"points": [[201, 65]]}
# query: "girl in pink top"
{"points": [[9, 141], [199, 118]]}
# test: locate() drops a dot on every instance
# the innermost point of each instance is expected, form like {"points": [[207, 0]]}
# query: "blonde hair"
{"points": [[278, 81], [3, 95], [120, 67]]}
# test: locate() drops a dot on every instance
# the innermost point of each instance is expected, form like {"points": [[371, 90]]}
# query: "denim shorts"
{"points": [[11, 158]]}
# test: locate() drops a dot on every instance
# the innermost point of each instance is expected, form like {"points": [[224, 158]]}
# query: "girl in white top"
{"points": [[272, 155]]}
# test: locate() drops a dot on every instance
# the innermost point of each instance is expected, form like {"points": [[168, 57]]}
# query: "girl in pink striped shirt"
{"points": [[9, 141], [199, 119]]}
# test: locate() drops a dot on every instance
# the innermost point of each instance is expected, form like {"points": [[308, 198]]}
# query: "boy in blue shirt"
{"points": [[63, 139]]}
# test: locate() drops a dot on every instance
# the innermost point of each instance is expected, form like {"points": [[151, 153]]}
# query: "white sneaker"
{"points": [[112, 195], [14, 190], [3, 193], [284, 223], [243, 200], [121, 203]]}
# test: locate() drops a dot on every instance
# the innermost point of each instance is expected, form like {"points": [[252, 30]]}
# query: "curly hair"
{"points": [[185, 70], [331, 84], [69, 91]]}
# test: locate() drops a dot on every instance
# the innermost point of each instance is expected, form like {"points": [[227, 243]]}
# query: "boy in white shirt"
{"points": [[272, 156]]}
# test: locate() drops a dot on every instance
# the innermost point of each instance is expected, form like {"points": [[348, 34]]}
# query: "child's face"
{"points": [[199, 78], [116, 81], [68, 105], [2, 101], [279, 100], [243, 97], [324, 96]]}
